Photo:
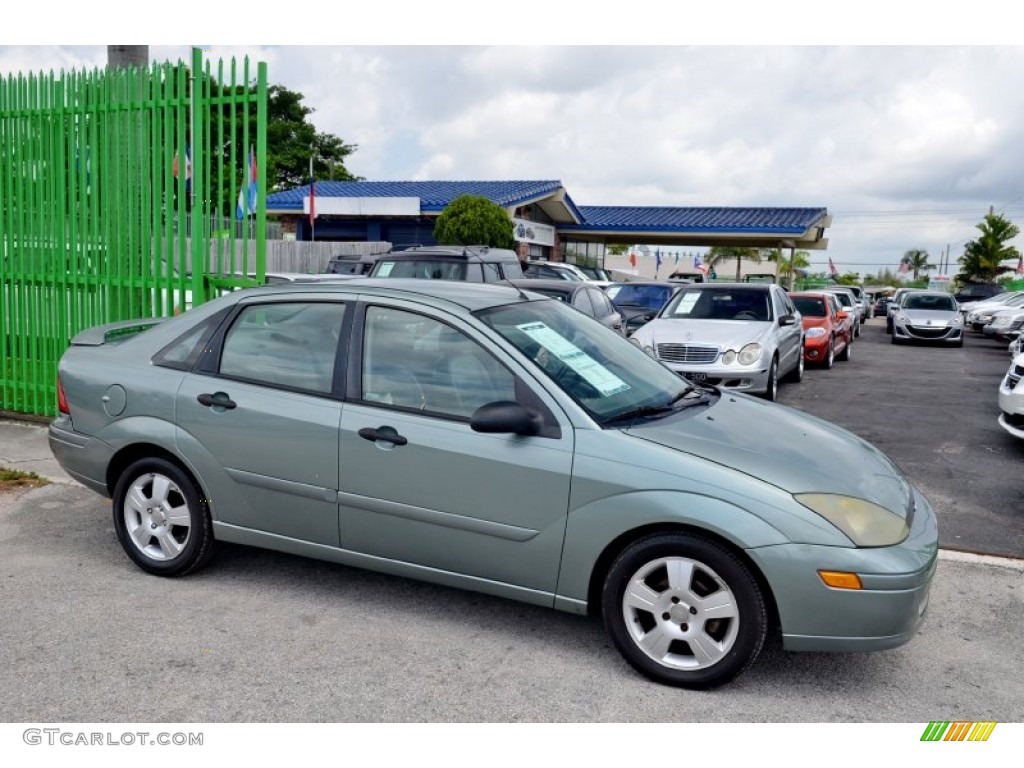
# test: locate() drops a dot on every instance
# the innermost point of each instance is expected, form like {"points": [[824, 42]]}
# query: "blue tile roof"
{"points": [[434, 195], [783, 221]]}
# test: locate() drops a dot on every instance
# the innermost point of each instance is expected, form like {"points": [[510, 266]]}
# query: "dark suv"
{"points": [[978, 291], [472, 263], [356, 266]]}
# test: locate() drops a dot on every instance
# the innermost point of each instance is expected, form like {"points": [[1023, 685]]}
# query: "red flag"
{"points": [[632, 259], [1020, 266], [832, 271]]}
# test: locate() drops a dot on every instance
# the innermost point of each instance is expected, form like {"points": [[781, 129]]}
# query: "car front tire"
{"points": [[684, 610], [771, 391], [161, 521]]}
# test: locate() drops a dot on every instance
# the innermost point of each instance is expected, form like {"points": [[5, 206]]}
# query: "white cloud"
{"points": [[907, 146]]}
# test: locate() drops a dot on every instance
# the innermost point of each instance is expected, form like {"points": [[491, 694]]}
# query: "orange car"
{"points": [[828, 328]]}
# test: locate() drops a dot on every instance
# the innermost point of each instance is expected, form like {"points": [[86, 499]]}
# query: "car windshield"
{"points": [[720, 304], [597, 367], [933, 303], [844, 298], [810, 306], [646, 296]]}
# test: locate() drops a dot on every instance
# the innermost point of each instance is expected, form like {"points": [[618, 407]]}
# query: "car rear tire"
{"points": [[684, 610], [847, 351], [160, 518], [771, 392]]}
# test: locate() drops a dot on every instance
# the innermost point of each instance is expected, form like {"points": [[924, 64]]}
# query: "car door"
{"points": [[418, 485], [259, 418], [790, 337]]}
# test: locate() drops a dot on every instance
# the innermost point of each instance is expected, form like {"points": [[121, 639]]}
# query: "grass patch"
{"points": [[16, 478]]}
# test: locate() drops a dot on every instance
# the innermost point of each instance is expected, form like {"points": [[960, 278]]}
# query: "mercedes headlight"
{"points": [[865, 523], [729, 357], [750, 354]]}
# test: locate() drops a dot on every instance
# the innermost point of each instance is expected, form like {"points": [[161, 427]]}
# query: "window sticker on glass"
{"points": [[595, 374], [385, 269]]}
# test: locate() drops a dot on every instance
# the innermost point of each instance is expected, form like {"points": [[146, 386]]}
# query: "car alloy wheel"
{"points": [[830, 353], [684, 610], [847, 350], [161, 522]]}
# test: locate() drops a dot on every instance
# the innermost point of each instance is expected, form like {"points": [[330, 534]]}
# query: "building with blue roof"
{"points": [[547, 223]]}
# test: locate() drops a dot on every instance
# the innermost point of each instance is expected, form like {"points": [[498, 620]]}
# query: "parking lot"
{"points": [[933, 410]]}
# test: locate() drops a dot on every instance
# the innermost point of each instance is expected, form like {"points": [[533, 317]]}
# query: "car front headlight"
{"points": [[901, 318], [814, 333], [650, 351], [956, 321], [729, 357], [865, 523], [750, 354]]}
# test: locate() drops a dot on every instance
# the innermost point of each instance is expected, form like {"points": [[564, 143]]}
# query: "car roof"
{"points": [[454, 253], [468, 295], [527, 283]]}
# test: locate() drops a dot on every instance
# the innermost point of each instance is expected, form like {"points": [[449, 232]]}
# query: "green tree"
{"points": [[720, 254], [917, 260], [787, 268], [982, 257], [474, 220], [291, 140], [616, 249]]}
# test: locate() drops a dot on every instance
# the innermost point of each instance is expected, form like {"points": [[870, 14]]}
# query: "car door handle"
{"points": [[218, 399], [387, 434]]}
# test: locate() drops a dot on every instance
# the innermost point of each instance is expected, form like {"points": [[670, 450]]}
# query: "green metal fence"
{"points": [[114, 190]]}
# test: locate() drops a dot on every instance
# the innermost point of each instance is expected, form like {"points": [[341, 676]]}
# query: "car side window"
{"points": [[583, 303], [414, 362], [291, 345]]}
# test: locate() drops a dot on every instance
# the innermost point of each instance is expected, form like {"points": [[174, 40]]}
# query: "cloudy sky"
{"points": [[908, 146]]}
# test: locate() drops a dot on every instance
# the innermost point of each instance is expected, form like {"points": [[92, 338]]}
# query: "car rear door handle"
{"points": [[218, 399], [385, 434]]}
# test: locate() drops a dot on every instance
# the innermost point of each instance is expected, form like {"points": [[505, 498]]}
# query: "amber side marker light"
{"points": [[841, 579]]}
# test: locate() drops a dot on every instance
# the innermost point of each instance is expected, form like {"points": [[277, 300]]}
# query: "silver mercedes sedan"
{"points": [[738, 336], [486, 438], [928, 316]]}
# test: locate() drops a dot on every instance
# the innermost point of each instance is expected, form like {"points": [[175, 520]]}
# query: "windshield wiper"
{"points": [[659, 410]]}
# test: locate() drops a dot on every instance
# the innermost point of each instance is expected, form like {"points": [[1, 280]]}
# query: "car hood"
{"points": [[921, 316], [815, 322], [727, 334], [786, 448]]}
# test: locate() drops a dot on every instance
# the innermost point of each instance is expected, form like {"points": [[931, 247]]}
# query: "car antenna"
{"points": [[468, 251]]}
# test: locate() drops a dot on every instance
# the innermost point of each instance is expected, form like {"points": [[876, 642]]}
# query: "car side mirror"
{"points": [[503, 417], [841, 315], [787, 320]]}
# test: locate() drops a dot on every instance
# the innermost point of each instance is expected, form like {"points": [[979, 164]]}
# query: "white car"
{"points": [[982, 313], [1011, 399], [1006, 324]]}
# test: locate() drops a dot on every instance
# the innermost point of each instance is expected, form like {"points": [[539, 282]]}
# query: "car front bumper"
{"points": [[1011, 401], [938, 333], [884, 614], [740, 378]]}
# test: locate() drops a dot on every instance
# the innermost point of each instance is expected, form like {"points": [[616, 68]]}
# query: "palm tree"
{"points": [[801, 261], [982, 257], [718, 254], [917, 260]]}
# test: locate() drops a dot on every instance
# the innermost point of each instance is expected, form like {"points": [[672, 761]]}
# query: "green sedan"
{"points": [[487, 438]]}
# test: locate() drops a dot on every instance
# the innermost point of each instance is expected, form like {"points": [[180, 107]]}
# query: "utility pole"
{"points": [[127, 56]]}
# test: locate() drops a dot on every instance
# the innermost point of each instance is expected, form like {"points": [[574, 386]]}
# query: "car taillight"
{"points": [[62, 400]]}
